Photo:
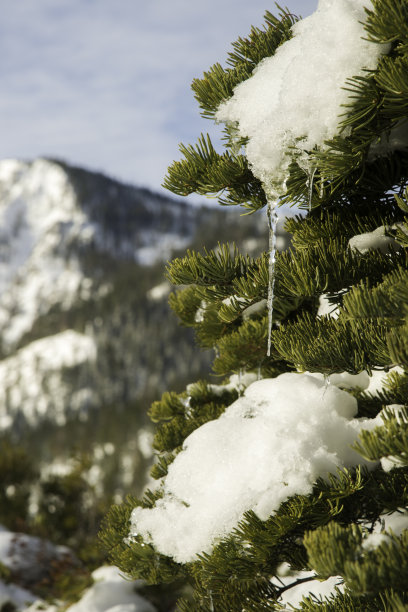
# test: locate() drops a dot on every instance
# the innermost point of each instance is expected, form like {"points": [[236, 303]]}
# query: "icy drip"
{"points": [[321, 193], [186, 403], [211, 601], [309, 185], [272, 223], [240, 388]]}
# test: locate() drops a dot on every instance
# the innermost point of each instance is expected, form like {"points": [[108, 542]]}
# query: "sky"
{"points": [[105, 84]]}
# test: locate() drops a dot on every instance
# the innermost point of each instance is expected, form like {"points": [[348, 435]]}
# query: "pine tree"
{"points": [[356, 196]]}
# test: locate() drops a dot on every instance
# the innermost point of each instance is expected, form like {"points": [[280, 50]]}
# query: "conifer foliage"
{"points": [[349, 250]]}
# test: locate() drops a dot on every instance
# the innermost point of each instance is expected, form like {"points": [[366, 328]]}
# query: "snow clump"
{"points": [[111, 593], [236, 383], [295, 97], [380, 379], [326, 308], [315, 588], [377, 239], [270, 444], [396, 522]]}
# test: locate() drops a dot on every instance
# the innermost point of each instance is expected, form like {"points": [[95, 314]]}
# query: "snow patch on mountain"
{"points": [[150, 252], [39, 220], [32, 384], [47, 223]]}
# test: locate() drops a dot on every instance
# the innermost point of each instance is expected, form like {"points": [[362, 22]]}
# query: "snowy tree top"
{"points": [[293, 101]]}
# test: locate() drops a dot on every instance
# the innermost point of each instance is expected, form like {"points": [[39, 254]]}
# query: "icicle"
{"points": [[240, 382], [272, 223], [186, 403], [211, 601], [326, 382], [321, 193], [259, 372], [309, 185]]}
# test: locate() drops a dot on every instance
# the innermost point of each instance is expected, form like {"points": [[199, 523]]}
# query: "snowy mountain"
{"points": [[84, 321], [50, 214]]}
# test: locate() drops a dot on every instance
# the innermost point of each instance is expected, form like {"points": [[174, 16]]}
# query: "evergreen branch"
{"points": [[397, 344], [388, 300], [388, 22], [217, 84], [329, 345], [329, 267], [365, 102], [206, 172], [392, 78], [295, 583], [185, 303], [358, 172], [380, 569], [243, 349], [390, 440], [219, 267], [320, 548]]}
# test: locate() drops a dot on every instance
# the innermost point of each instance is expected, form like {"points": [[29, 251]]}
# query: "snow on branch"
{"points": [[294, 99], [273, 442]]}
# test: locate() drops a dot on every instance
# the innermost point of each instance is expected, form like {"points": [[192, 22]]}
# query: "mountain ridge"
{"points": [[83, 253]]}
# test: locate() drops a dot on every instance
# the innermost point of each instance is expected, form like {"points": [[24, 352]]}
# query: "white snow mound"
{"points": [[270, 444], [377, 239], [111, 593], [396, 523], [32, 382], [295, 97]]}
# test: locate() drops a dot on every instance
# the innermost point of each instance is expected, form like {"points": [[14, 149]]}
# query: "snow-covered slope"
{"points": [[39, 218], [84, 320], [32, 382], [45, 226]]}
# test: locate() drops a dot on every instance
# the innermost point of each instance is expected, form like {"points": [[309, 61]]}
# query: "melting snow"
{"points": [[373, 384], [270, 444], [294, 98], [376, 239], [344, 380], [236, 383]]}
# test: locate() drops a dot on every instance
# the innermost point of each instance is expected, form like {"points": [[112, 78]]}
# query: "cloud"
{"points": [[107, 84]]}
